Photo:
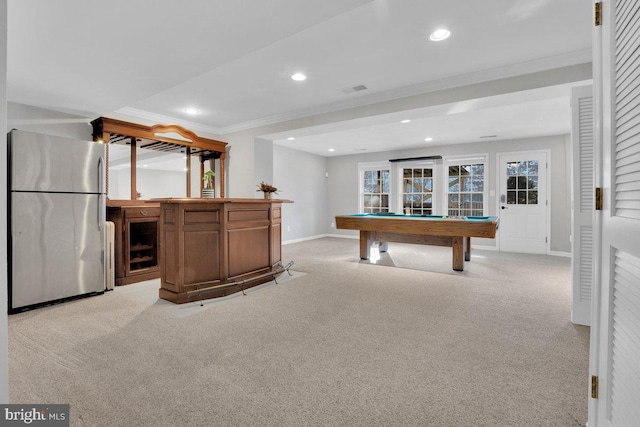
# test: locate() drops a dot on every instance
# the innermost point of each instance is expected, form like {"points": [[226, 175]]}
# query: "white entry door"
{"points": [[523, 202]]}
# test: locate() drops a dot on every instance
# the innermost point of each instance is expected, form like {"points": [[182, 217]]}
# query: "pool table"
{"points": [[439, 230]]}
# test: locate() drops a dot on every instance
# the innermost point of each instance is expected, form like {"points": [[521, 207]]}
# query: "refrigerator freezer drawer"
{"points": [[55, 164], [57, 247]]}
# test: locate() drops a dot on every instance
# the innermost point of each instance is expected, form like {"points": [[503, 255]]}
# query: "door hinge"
{"points": [[598, 198], [594, 387], [597, 13], [546, 240]]}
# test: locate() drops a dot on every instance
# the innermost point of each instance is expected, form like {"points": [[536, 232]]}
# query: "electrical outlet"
{"points": [[288, 228], [333, 225]]}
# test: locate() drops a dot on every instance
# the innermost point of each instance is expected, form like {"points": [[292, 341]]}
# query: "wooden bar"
{"points": [[136, 252], [209, 242]]}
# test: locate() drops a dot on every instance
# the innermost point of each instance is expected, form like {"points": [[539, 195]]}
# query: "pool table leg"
{"points": [[467, 248], [458, 253], [365, 244]]}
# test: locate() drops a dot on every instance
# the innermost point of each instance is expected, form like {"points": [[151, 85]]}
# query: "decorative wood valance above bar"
{"points": [[166, 138]]}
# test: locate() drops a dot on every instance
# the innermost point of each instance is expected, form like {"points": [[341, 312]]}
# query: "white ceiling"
{"points": [[232, 60]]}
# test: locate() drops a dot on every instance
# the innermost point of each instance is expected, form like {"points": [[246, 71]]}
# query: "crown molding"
{"points": [[161, 118], [497, 73]]}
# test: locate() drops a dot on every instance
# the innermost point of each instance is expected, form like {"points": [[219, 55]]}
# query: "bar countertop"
{"points": [[216, 200]]}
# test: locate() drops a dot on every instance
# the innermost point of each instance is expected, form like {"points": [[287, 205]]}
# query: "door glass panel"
{"points": [[522, 197], [478, 184], [418, 190], [465, 183], [522, 176], [375, 197], [454, 184], [385, 182], [522, 182], [467, 180]]}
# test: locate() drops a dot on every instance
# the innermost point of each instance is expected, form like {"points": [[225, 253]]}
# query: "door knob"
{"points": [[504, 207]]}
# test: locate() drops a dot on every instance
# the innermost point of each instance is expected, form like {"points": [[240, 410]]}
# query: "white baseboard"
{"points": [[559, 253], [304, 239], [344, 236], [484, 248]]}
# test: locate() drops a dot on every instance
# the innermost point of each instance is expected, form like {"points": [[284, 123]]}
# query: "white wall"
{"points": [[4, 348], [158, 183], [301, 177], [263, 167], [34, 119], [343, 180]]}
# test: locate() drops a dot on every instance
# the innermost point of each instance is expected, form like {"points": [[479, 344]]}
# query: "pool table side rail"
{"points": [[445, 227]]}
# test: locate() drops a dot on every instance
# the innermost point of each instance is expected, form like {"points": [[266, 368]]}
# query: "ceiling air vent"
{"points": [[352, 89], [488, 136]]}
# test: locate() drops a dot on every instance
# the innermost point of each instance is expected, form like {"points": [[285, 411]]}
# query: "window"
{"points": [[522, 183], [417, 190], [375, 189], [466, 188]]}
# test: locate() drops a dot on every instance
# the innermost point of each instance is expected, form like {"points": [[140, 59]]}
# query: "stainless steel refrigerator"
{"points": [[56, 219]]}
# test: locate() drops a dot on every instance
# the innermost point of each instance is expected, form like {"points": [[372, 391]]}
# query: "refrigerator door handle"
{"points": [[101, 175], [101, 195]]}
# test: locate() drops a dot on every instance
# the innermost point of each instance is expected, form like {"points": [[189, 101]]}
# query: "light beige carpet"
{"points": [[147, 293], [347, 344]]}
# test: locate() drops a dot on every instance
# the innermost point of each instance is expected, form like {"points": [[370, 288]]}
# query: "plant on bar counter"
{"points": [[266, 188], [207, 178]]}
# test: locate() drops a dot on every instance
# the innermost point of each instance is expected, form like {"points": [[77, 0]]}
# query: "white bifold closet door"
{"points": [[582, 142], [615, 334]]}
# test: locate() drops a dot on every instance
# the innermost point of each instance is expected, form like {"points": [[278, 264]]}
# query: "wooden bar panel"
{"points": [[246, 215], [202, 248], [198, 217], [210, 243], [250, 247]]}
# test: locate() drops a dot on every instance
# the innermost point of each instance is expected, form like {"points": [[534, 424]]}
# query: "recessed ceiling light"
{"points": [[191, 111], [332, 149], [439, 34], [290, 138], [428, 139], [298, 77], [405, 121]]}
